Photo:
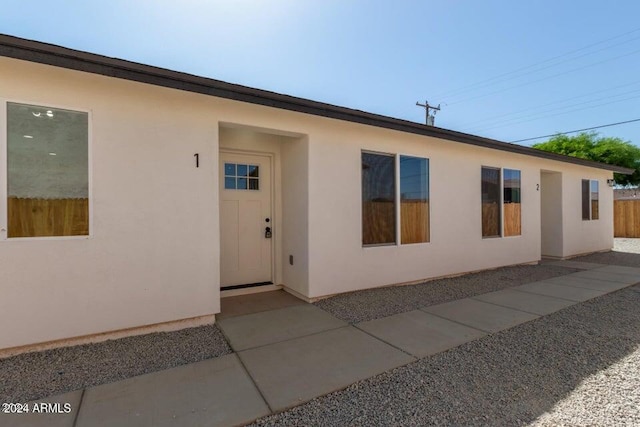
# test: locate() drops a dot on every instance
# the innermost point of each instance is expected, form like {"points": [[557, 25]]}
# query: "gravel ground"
{"points": [[626, 245], [579, 366], [625, 252], [36, 375], [372, 304]]}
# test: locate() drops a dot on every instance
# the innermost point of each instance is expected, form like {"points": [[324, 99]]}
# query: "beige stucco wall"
{"points": [[154, 253], [580, 236]]}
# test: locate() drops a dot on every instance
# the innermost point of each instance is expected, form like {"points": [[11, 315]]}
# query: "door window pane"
{"points": [[378, 199], [490, 202], [230, 169], [511, 200], [241, 177], [229, 183], [414, 199], [47, 171]]}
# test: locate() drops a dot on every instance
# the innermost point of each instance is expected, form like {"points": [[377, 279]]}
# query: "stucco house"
{"points": [[133, 198]]}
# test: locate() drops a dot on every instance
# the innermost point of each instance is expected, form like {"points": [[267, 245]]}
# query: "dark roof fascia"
{"points": [[44, 53]]}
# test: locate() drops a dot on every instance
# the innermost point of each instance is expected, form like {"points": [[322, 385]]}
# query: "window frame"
{"points": [[590, 200], [398, 220], [501, 169], [4, 158]]}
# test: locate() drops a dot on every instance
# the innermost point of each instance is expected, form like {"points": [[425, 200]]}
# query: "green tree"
{"points": [[613, 151]]}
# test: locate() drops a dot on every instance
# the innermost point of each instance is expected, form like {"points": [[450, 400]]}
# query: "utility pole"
{"points": [[429, 119]]}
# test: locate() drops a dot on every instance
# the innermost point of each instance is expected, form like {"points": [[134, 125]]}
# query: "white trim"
{"points": [[4, 219]]}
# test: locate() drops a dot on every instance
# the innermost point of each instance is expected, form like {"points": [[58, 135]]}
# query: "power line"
{"points": [[545, 78], [559, 111], [501, 118], [538, 70], [455, 92], [578, 130]]}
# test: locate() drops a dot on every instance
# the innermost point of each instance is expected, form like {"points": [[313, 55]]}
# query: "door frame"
{"points": [[273, 216]]}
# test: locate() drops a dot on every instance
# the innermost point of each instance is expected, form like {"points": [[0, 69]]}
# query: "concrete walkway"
{"points": [[287, 356]]}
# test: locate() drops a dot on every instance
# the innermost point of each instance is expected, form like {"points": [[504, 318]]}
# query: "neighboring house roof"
{"points": [[44, 53]]}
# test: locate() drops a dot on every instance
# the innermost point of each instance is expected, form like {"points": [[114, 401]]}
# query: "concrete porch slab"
{"points": [[587, 283], [531, 303], [215, 392], [255, 303], [38, 419], [295, 371], [480, 315], [269, 327], [420, 334], [574, 264], [625, 278], [571, 293]]}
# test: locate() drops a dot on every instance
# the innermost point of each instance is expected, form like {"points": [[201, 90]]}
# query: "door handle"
{"points": [[267, 232]]}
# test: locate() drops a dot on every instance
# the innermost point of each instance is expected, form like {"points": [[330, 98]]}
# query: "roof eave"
{"points": [[33, 51]]}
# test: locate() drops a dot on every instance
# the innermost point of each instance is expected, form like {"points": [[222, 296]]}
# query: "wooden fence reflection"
{"points": [[48, 217], [378, 222]]}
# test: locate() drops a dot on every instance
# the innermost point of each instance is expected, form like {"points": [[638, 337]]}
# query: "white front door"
{"points": [[245, 219]]}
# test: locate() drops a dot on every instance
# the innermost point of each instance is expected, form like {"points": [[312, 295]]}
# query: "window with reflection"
{"points": [[414, 200], [378, 199], [511, 199], [47, 171], [491, 218], [590, 199]]}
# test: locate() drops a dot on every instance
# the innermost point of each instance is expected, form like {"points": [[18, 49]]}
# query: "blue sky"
{"points": [[502, 69]]}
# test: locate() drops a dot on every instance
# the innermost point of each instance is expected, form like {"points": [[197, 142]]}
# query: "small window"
{"points": [[241, 177], [378, 199], [511, 200], [590, 200], [491, 219], [47, 171], [414, 199]]}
